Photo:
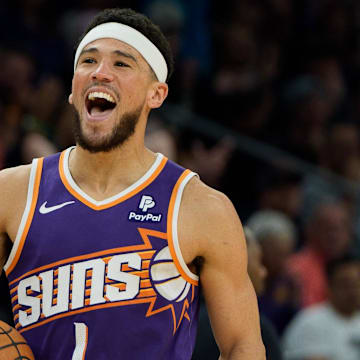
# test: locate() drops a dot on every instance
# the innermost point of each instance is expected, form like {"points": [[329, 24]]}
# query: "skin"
{"points": [[209, 227]]}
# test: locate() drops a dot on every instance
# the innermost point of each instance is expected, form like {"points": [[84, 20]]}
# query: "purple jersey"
{"points": [[103, 279]]}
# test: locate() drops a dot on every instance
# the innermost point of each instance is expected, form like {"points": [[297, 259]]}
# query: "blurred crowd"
{"points": [[283, 72]]}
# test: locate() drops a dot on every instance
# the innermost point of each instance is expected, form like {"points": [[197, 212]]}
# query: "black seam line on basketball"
{"points": [[163, 261], [22, 357], [157, 282], [11, 339], [6, 332], [15, 343]]}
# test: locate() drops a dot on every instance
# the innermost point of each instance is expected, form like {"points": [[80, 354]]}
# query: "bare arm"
{"points": [[209, 219], [13, 190]]}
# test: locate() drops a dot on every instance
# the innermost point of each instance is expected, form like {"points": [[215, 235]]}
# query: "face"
{"points": [[112, 88], [276, 250], [330, 230], [345, 288], [256, 269]]}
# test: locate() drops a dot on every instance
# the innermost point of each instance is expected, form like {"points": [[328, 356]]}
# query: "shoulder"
{"points": [[206, 204], [198, 195], [12, 178], [13, 184], [207, 216]]}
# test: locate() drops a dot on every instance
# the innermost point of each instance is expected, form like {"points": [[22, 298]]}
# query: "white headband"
{"points": [[131, 37]]}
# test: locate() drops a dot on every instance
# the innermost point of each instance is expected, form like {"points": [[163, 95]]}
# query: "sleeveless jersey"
{"points": [[103, 279]]}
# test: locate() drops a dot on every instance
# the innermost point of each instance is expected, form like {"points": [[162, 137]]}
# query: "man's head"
{"points": [[121, 66], [256, 270], [138, 22], [344, 284], [277, 235], [328, 229]]}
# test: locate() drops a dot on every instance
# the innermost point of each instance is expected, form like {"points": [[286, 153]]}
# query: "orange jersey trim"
{"points": [[144, 233], [74, 193], [86, 342]]}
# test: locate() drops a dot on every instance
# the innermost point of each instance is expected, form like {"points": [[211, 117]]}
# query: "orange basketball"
{"points": [[12, 345]]}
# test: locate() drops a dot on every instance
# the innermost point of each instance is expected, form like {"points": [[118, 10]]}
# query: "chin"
{"points": [[116, 137]]}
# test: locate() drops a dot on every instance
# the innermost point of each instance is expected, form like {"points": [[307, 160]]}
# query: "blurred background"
{"points": [[264, 105]]}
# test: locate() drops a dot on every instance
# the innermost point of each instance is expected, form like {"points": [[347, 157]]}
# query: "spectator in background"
{"points": [[33, 29], [341, 156], [276, 184], [305, 113], [29, 112], [160, 138], [277, 235], [210, 162], [241, 86], [331, 330], [258, 273], [16, 89], [327, 69], [170, 17], [327, 237], [240, 94], [40, 121], [186, 25], [205, 347]]}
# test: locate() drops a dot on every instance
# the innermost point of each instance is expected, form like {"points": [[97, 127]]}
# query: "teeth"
{"points": [[101, 95]]}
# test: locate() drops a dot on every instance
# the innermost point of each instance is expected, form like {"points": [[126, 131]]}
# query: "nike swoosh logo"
{"points": [[45, 210]]}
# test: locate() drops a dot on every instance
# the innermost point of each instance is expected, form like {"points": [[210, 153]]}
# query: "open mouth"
{"points": [[99, 103]]}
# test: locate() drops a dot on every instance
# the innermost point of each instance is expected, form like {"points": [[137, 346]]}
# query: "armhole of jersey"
{"points": [[32, 195], [172, 227]]}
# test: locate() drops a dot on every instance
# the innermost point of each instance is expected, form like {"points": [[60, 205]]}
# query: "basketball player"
{"points": [[110, 240]]}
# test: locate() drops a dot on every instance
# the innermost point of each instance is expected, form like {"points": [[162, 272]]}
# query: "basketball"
{"points": [[12, 345], [167, 280]]}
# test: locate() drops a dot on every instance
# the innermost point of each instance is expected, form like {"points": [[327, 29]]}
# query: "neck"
{"points": [[104, 174]]}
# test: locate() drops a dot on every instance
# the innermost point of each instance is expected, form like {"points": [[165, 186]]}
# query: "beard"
{"points": [[122, 131]]}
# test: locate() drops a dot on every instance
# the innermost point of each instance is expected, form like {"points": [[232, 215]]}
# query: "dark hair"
{"points": [[140, 23], [335, 264]]}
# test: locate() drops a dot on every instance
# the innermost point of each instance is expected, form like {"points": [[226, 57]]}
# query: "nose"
{"points": [[102, 73]]}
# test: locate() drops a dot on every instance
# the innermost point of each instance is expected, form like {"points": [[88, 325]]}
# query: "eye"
{"points": [[121, 64], [88, 61]]}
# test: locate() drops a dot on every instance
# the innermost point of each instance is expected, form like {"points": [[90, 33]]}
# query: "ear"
{"points": [[70, 99], [157, 94]]}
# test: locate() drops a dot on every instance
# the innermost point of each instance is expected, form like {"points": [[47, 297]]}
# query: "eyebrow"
{"points": [[125, 54], [116, 52]]}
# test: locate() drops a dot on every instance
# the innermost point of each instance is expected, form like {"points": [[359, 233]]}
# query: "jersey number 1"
{"points": [[81, 340]]}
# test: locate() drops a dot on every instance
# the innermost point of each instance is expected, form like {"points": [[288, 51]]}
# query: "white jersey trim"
{"points": [[174, 221], [25, 215]]}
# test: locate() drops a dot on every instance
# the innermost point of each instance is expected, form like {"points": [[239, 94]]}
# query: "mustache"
{"points": [[100, 84]]}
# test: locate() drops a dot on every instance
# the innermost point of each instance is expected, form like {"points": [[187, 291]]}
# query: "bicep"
{"points": [[228, 291]]}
